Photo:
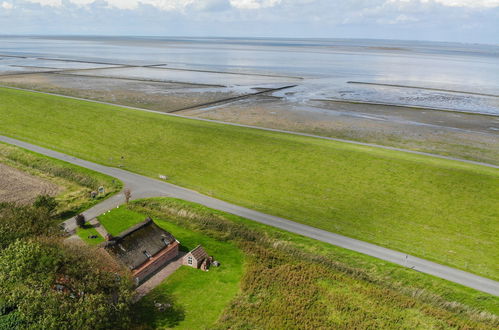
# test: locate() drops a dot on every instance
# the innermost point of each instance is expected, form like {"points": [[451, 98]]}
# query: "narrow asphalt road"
{"points": [[143, 187]]}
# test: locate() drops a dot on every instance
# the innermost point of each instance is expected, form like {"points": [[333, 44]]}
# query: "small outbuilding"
{"points": [[197, 258], [144, 248]]}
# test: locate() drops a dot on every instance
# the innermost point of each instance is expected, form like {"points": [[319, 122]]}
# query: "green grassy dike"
{"points": [[290, 281], [437, 209]]}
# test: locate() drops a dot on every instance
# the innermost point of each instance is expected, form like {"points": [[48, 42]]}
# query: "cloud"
{"points": [[469, 3], [399, 19], [180, 5], [167, 5], [454, 3], [461, 20], [50, 3], [254, 4], [6, 5]]}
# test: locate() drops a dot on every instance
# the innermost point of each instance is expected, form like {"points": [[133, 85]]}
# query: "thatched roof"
{"points": [[199, 253], [131, 246]]}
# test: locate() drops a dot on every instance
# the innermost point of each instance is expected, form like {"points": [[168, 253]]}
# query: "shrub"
{"points": [[45, 201], [19, 222], [80, 220], [52, 285]]}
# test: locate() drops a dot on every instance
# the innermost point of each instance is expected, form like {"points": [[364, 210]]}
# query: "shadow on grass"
{"points": [[158, 310]]}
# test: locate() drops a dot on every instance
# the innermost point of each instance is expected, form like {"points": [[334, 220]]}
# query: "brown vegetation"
{"points": [[21, 187]]}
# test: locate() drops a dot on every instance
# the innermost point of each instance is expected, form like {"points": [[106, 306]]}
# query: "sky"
{"points": [[470, 21]]}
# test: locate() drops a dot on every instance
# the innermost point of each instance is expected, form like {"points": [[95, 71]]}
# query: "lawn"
{"points": [[87, 232], [120, 219], [198, 297], [437, 209]]}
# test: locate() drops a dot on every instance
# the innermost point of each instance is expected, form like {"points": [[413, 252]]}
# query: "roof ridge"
{"points": [[197, 247], [133, 229]]}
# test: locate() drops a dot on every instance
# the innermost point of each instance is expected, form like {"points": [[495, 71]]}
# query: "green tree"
{"points": [[18, 222], [80, 220], [50, 284]]}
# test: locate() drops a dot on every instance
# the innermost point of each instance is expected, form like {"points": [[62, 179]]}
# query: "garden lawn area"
{"points": [[85, 233], [120, 219], [441, 210], [198, 297]]}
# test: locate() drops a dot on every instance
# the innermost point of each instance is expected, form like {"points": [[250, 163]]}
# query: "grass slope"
{"points": [[198, 297], [436, 209]]}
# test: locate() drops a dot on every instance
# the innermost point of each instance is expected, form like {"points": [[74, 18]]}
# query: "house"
{"points": [[197, 258], [144, 248]]}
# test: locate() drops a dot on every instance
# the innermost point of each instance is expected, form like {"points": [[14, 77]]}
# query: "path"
{"points": [[143, 187], [159, 277], [98, 227]]}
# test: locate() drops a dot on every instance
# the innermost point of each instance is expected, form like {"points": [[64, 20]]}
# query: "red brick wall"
{"points": [[156, 263]]}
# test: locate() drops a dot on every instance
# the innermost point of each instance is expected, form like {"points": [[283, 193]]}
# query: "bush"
{"points": [[51, 285], [19, 222], [80, 220], [45, 201], [10, 321]]}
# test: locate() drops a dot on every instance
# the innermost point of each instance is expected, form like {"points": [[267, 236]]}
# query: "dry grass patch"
{"points": [[22, 188]]}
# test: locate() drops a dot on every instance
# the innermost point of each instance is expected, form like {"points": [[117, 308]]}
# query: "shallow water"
{"points": [[326, 66]]}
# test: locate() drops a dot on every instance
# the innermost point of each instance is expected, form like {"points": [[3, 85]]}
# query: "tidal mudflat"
{"points": [[155, 95]]}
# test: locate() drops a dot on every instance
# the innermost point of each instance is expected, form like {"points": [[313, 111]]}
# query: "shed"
{"points": [[196, 257], [144, 248]]}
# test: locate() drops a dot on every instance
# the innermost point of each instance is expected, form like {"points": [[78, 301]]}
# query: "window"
{"points": [[147, 254], [165, 241], [121, 247], [189, 260]]}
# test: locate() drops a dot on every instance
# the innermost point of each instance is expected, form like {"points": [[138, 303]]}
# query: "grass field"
{"points": [[75, 183], [85, 233], [436, 209], [198, 297], [290, 281], [119, 220]]}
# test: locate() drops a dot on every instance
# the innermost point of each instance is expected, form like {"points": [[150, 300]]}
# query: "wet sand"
{"points": [[160, 96]]}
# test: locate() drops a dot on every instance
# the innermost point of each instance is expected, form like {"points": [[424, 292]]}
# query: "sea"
{"points": [[437, 75]]}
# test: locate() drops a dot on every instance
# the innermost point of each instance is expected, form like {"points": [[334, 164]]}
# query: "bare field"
{"points": [[20, 187]]}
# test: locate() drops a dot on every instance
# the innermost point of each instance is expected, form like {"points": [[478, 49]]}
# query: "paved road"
{"points": [[143, 187], [267, 129]]}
